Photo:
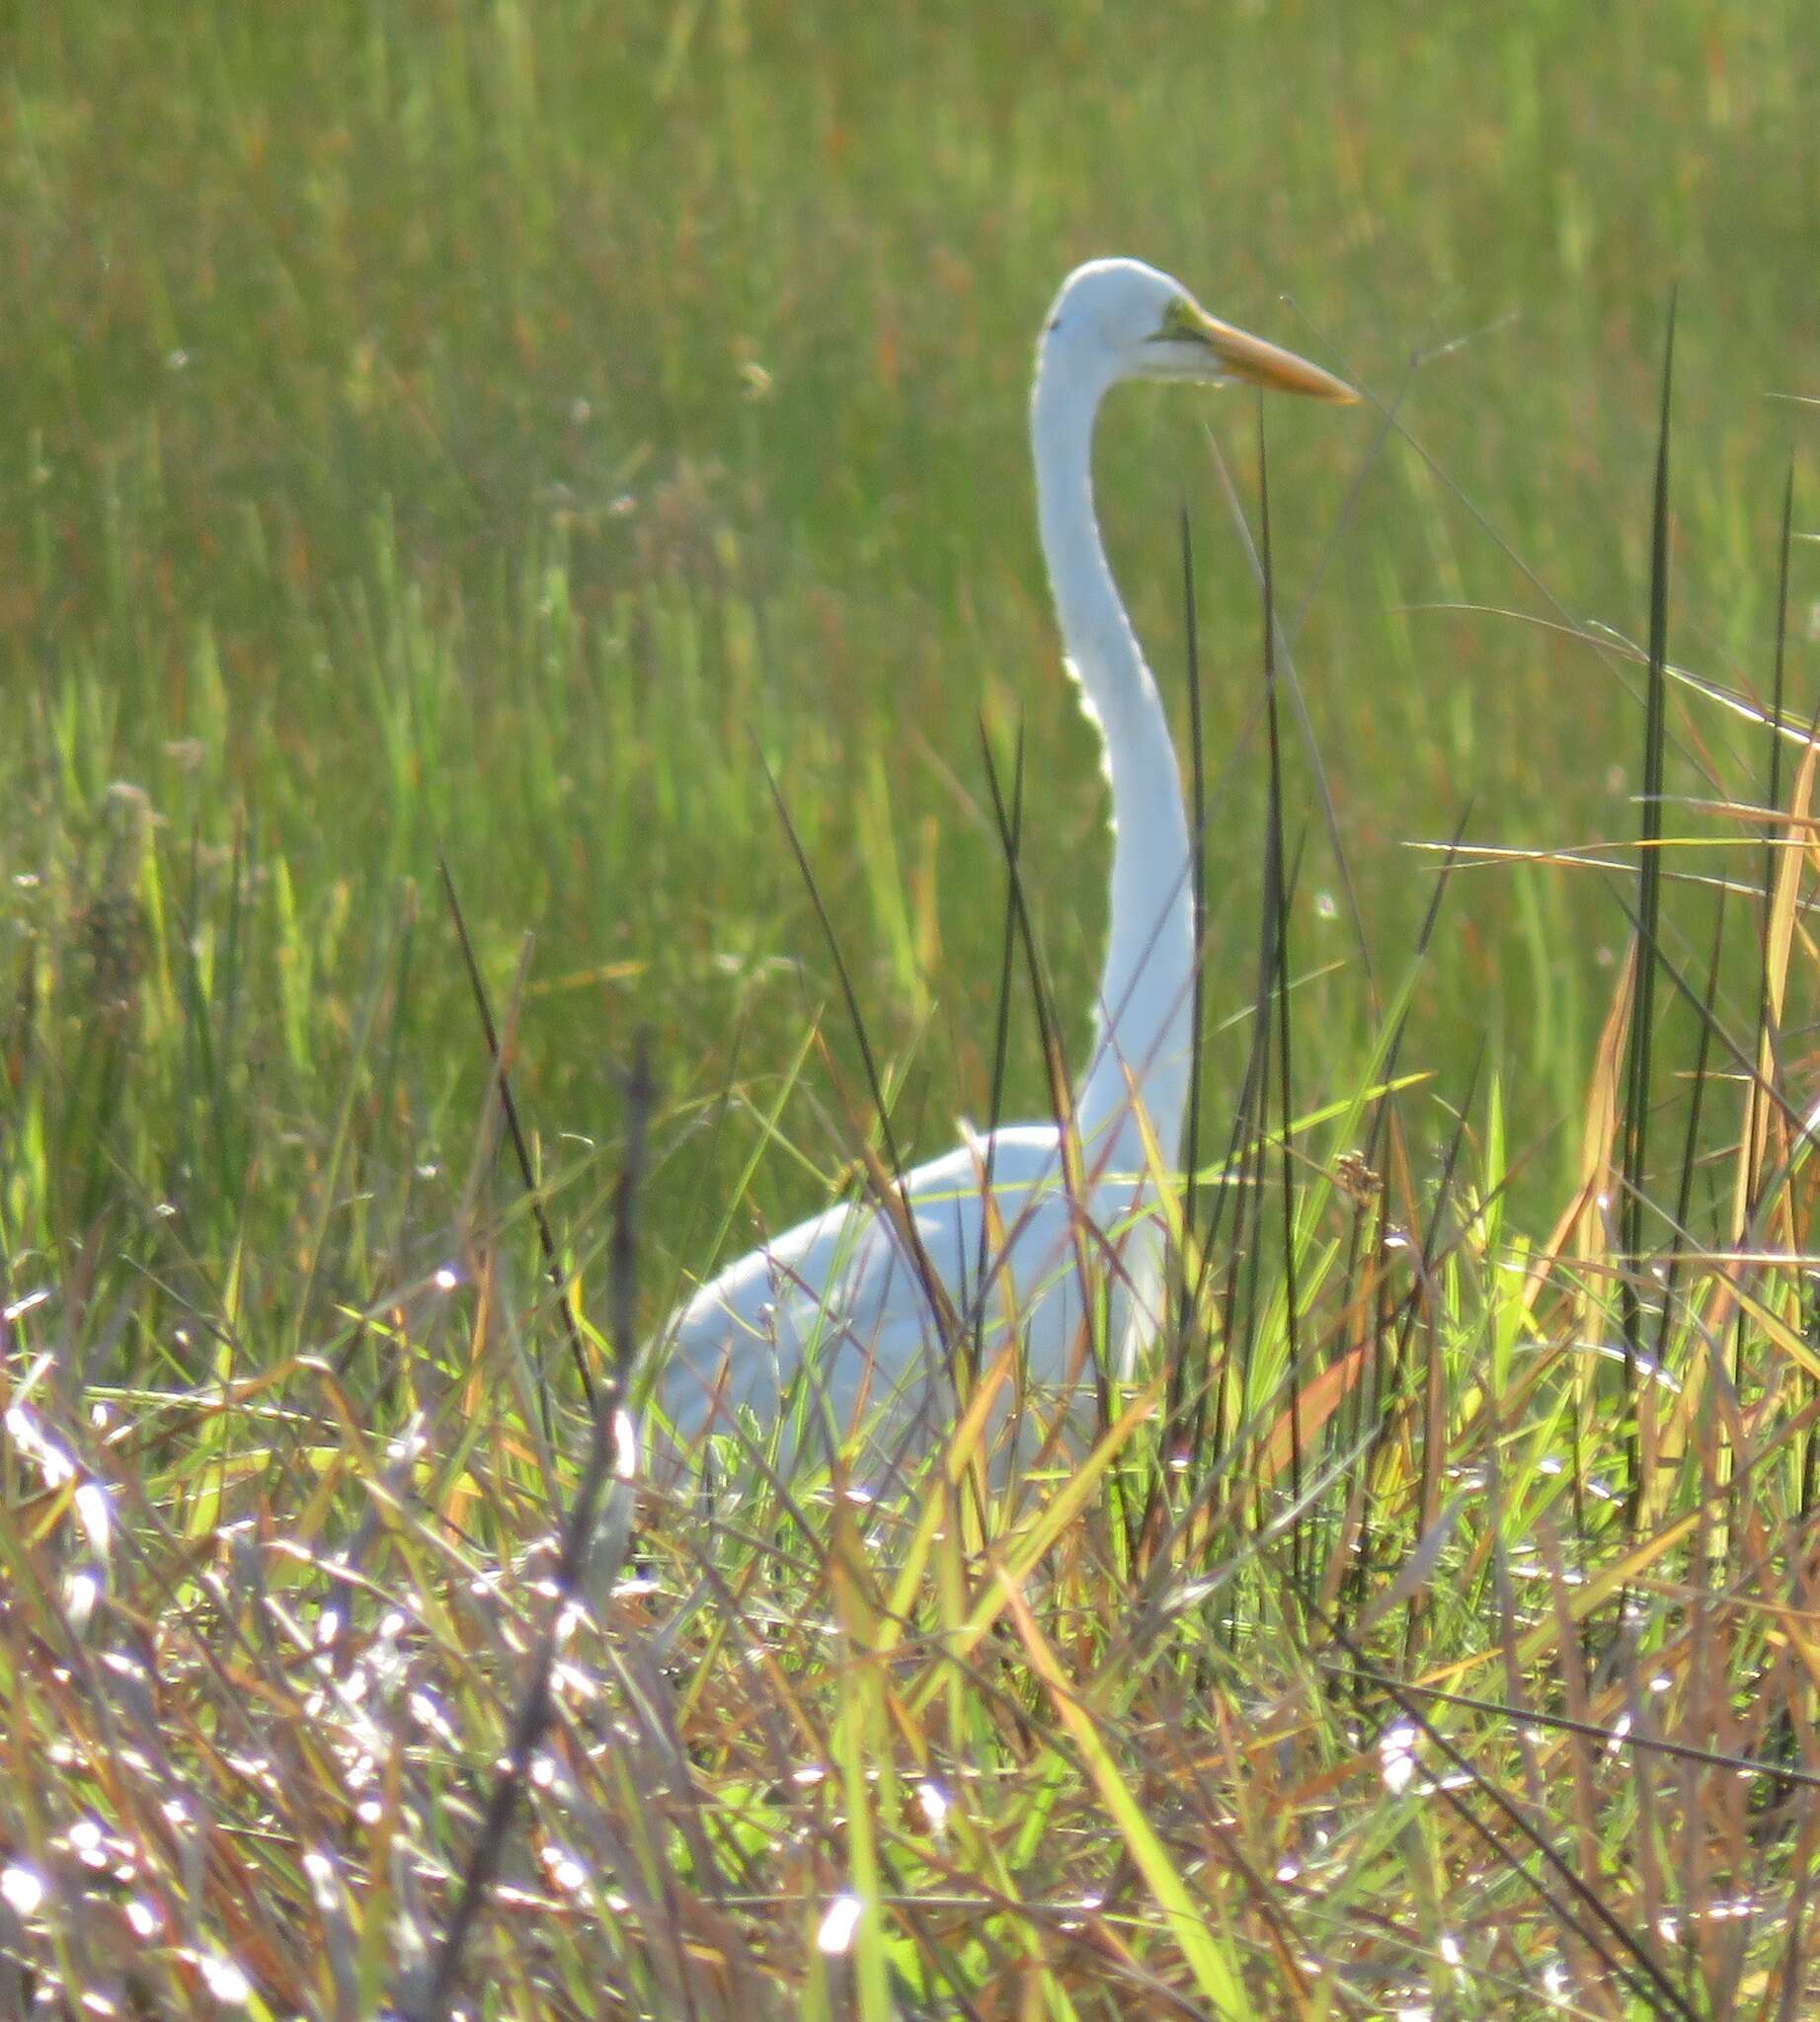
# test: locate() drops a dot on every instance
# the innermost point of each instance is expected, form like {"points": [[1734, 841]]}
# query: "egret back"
{"points": [[838, 1304]]}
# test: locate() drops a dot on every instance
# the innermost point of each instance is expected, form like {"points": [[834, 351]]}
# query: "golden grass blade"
{"points": [[1209, 1955], [1027, 1545]]}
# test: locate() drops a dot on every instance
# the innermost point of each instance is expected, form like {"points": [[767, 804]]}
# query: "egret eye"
{"points": [[1181, 320]]}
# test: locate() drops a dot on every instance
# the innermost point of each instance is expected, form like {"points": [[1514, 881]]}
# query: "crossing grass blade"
{"points": [[1207, 1950]]}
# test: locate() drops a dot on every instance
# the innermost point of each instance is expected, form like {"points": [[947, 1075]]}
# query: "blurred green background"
{"points": [[489, 428]]}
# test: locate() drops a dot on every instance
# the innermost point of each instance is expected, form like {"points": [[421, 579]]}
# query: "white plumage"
{"points": [[850, 1299]]}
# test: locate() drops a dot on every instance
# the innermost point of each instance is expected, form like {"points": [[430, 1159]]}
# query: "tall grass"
{"points": [[468, 434]]}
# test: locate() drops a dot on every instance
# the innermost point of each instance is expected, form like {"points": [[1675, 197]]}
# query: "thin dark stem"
{"points": [[546, 1237], [534, 1712], [933, 1291], [1285, 1084], [1649, 910], [1002, 1027], [1197, 766]]}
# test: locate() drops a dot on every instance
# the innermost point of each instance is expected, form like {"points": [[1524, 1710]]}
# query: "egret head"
{"points": [[1119, 318]]}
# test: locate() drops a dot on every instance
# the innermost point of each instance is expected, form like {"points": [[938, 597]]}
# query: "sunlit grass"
{"points": [[488, 433]]}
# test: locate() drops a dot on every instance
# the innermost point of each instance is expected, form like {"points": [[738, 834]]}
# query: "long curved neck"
{"points": [[1144, 1032]]}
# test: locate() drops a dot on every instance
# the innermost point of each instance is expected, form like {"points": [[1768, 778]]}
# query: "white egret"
{"points": [[848, 1301]]}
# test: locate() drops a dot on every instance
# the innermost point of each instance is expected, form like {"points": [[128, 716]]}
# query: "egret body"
{"points": [[867, 1303]]}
